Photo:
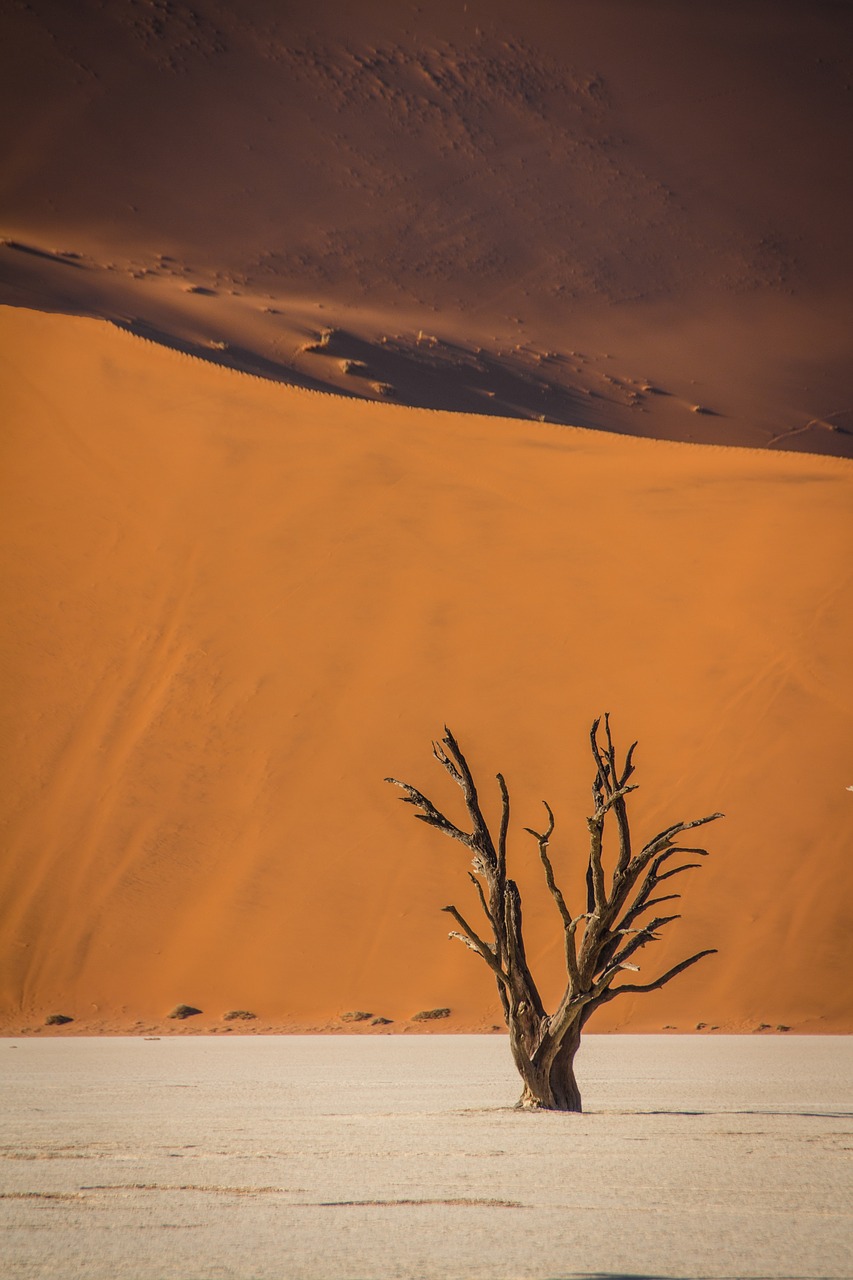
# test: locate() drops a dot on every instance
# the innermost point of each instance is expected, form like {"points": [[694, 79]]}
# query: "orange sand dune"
{"points": [[233, 608], [628, 216]]}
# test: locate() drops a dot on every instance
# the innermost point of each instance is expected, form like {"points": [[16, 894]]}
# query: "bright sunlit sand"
{"points": [[402, 1159], [235, 607]]}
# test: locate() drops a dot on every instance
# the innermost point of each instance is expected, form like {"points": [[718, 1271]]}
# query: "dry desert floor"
{"points": [[300, 1157]]}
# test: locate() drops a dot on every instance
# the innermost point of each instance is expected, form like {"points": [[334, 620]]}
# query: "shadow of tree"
{"points": [[646, 1275], [776, 1115]]}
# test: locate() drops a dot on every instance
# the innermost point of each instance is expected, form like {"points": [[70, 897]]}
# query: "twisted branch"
{"points": [[614, 902]]}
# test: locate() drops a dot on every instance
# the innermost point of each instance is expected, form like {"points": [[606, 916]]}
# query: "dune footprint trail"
{"points": [[626, 217]]}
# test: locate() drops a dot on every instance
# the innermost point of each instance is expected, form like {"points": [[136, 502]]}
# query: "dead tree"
{"points": [[600, 942]]}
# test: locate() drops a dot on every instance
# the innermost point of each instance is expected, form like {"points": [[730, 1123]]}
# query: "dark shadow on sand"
{"points": [[646, 1275], [776, 1115]]}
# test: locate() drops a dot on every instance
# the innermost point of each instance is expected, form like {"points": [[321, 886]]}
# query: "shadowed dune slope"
{"points": [[632, 217], [233, 608]]}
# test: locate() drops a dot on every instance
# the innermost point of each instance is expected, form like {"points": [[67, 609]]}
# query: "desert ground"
{"points": [[402, 1159]]}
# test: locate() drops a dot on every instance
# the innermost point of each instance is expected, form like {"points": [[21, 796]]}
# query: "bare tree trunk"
{"points": [[599, 943], [549, 1078]]}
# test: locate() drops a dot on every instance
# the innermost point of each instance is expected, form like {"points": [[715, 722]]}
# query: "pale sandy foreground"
{"points": [[395, 1157]]}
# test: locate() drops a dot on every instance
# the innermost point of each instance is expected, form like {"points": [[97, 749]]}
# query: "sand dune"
{"points": [[623, 216], [234, 607]]}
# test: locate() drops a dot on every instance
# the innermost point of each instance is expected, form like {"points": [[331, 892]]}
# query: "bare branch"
{"points": [[656, 852], [608, 952], [664, 838], [462, 774], [630, 916], [521, 979], [444, 760], [609, 791], [603, 782], [675, 871], [628, 767], [629, 762], [476, 883], [431, 816], [654, 876], [612, 801], [619, 806], [569, 924], [503, 829], [659, 982], [460, 937], [477, 943], [542, 839], [642, 938], [595, 871]]}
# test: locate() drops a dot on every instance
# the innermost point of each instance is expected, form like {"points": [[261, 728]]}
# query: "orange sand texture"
{"points": [[233, 606]]}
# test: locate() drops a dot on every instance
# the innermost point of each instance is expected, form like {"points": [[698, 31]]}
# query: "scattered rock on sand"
{"points": [[234, 1014], [57, 1020], [381, 1022], [356, 1015], [355, 368], [427, 1015], [782, 1027], [184, 1011], [320, 346]]}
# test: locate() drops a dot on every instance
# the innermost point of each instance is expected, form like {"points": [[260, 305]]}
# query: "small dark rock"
{"points": [[381, 1022], [356, 1015], [700, 1026], [427, 1015], [57, 1020], [234, 1014], [782, 1027], [184, 1011], [763, 1026]]}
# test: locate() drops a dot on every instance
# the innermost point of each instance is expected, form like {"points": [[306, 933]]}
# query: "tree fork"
{"points": [[544, 1046]]}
